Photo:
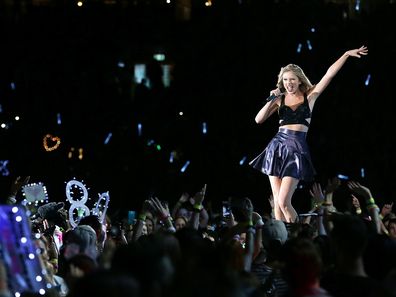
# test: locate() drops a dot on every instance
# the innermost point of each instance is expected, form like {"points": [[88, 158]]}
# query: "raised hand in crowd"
{"points": [[361, 190], [386, 209], [183, 198], [322, 206], [163, 213], [141, 221], [16, 186], [199, 209], [332, 185], [356, 204], [317, 196], [372, 208], [247, 210]]}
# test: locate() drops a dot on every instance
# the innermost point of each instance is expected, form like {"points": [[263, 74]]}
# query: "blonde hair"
{"points": [[305, 86]]}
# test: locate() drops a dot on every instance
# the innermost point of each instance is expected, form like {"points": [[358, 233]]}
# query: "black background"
{"points": [[63, 59]]}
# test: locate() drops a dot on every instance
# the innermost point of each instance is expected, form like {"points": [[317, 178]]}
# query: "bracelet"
{"points": [[249, 224], [198, 207], [165, 218], [371, 201], [372, 206], [142, 217]]}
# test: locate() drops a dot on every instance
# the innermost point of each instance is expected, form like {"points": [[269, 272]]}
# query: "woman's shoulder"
{"points": [[311, 94]]}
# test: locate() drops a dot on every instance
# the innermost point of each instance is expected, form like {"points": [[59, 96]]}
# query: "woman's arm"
{"points": [[333, 70], [269, 108]]}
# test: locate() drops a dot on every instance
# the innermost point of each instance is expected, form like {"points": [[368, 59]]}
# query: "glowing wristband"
{"points": [[198, 207], [371, 201]]}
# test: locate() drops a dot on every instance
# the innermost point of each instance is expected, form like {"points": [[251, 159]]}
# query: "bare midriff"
{"points": [[296, 127]]}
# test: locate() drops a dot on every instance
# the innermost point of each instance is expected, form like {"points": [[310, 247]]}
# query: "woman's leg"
{"points": [[275, 186], [287, 187]]}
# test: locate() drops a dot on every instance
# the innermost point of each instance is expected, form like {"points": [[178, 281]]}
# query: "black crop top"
{"points": [[289, 116]]}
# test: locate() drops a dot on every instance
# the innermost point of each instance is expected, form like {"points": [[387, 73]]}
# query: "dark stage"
{"points": [[75, 72]]}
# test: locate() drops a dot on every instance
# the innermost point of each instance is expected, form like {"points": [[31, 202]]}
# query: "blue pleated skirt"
{"points": [[287, 154]]}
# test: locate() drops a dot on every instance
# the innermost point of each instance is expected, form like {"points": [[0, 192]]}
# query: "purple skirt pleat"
{"points": [[287, 154]]}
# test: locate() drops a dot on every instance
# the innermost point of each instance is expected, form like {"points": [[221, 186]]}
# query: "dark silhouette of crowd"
{"points": [[189, 249]]}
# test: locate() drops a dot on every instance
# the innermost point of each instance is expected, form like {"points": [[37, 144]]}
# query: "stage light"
{"points": [[1, 108], [58, 119], [309, 45], [183, 169], [139, 126], [362, 173], [79, 3], [313, 30], [181, 113], [357, 5], [299, 46], [367, 82], [208, 3], [158, 147], [17, 118], [243, 160], [150, 142], [159, 57], [171, 157], [121, 64], [12, 85], [108, 138], [3, 125], [341, 176], [204, 128]]}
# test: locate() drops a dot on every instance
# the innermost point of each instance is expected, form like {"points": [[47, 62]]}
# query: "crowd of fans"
{"points": [[187, 249]]}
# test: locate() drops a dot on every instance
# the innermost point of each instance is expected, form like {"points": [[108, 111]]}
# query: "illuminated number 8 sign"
{"points": [[76, 189]]}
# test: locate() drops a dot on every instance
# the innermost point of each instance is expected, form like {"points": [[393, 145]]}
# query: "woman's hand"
{"points": [[358, 52], [277, 92]]}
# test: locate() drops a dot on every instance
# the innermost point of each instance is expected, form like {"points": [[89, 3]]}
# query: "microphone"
{"points": [[273, 97]]}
